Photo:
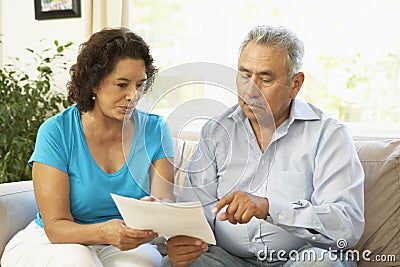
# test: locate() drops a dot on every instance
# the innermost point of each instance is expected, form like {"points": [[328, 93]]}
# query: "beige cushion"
{"points": [[184, 151], [380, 160]]}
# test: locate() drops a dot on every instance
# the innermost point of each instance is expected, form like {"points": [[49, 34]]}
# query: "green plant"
{"points": [[25, 104]]}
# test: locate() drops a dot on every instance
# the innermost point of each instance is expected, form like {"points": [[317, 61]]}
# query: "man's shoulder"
{"points": [[314, 112], [220, 125], [326, 124], [225, 117]]}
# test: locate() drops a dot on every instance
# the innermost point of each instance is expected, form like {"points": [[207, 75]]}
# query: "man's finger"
{"points": [[246, 216], [223, 216], [222, 203], [184, 241], [184, 260]]}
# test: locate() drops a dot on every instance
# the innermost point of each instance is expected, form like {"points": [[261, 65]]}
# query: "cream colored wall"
{"points": [[20, 30]]}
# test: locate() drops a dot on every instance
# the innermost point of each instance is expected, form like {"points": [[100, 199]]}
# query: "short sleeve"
{"points": [[50, 146], [166, 148]]}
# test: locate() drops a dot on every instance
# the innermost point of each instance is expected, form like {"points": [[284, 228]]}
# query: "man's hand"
{"points": [[183, 250], [242, 207]]}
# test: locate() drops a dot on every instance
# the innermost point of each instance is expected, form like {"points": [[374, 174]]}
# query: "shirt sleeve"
{"points": [[201, 183], [50, 146], [166, 148], [335, 215]]}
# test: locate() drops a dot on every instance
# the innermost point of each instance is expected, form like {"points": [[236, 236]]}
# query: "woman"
{"points": [[99, 146]]}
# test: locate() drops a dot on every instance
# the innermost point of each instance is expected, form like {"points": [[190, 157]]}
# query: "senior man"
{"points": [[280, 182]]}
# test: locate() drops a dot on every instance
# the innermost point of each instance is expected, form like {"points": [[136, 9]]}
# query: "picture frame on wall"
{"points": [[57, 9]]}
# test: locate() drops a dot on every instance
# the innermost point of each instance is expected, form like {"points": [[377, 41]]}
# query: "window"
{"points": [[352, 59]]}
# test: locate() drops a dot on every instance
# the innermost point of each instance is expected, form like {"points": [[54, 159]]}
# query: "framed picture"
{"points": [[57, 9]]}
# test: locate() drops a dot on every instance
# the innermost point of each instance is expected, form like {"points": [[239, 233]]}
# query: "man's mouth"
{"points": [[253, 103]]}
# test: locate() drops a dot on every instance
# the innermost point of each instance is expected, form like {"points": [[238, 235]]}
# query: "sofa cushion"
{"points": [[17, 209], [381, 164], [184, 151]]}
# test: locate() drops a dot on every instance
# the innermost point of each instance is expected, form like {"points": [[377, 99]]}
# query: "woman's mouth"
{"points": [[127, 109]]}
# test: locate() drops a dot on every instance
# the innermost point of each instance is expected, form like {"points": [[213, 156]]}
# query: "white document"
{"points": [[166, 219]]}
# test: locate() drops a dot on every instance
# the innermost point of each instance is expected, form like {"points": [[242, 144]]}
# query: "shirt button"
{"points": [[263, 162], [254, 240], [274, 223], [281, 217], [313, 238]]}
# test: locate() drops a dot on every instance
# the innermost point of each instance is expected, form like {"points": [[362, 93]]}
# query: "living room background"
{"points": [[352, 60]]}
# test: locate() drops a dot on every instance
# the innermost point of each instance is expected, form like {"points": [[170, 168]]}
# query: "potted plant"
{"points": [[25, 103]]}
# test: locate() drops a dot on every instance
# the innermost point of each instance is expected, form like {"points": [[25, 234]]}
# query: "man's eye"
{"points": [[244, 77], [265, 81]]}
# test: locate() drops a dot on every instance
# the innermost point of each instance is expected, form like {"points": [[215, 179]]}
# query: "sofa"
{"points": [[380, 157]]}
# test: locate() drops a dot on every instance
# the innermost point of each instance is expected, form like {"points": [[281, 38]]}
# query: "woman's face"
{"points": [[118, 93]]}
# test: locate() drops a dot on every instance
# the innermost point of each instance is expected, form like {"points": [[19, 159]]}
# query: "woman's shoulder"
{"points": [[150, 117], [61, 119]]}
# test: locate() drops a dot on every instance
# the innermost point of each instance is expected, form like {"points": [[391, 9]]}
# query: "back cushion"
{"points": [[380, 160], [184, 151]]}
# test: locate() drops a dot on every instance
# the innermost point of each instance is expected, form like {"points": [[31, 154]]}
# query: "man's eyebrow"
{"points": [[243, 69], [266, 73], [261, 73]]}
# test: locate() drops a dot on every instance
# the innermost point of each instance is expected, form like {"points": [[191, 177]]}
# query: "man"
{"points": [[280, 181]]}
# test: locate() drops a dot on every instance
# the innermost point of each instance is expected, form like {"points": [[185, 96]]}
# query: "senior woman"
{"points": [[100, 145]]}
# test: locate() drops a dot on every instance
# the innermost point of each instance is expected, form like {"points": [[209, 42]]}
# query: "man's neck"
{"points": [[263, 134]]}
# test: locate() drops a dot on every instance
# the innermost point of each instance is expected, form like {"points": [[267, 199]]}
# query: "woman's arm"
{"points": [[162, 179], [52, 192]]}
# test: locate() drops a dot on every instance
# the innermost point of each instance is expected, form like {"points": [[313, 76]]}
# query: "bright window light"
{"points": [[352, 58]]}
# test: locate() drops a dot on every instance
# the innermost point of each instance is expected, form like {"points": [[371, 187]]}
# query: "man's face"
{"points": [[263, 78]]}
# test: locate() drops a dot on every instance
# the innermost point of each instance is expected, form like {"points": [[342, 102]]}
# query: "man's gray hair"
{"points": [[280, 38]]}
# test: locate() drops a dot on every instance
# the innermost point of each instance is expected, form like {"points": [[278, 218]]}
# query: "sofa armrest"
{"points": [[17, 208]]}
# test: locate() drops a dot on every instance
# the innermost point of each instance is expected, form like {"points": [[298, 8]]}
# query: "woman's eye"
{"points": [[122, 85], [140, 86]]}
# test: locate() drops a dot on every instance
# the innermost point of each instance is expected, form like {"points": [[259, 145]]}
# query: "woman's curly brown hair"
{"points": [[97, 58]]}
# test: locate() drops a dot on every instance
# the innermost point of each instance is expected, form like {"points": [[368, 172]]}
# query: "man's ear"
{"points": [[297, 82]]}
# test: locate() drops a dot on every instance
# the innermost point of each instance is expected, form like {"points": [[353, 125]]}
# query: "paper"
{"points": [[166, 219]]}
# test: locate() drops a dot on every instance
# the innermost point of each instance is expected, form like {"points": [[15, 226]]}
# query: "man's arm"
{"points": [[336, 209], [335, 212]]}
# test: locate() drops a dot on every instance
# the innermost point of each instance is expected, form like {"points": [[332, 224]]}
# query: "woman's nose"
{"points": [[131, 93]]}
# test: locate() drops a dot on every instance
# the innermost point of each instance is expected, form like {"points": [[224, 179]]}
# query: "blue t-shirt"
{"points": [[61, 144]]}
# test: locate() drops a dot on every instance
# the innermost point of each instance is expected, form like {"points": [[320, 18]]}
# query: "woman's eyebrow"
{"points": [[128, 80]]}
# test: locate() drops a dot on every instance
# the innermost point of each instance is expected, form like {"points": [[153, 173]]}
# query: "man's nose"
{"points": [[253, 87]]}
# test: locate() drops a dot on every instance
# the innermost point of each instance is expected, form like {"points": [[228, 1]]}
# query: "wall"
{"points": [[20, 30]]}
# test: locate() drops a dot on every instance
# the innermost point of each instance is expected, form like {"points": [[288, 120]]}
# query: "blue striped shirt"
{"points": [[310, 174]]}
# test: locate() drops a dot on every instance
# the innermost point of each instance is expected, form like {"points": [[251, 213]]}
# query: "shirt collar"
{"points": [[299, 110], [237, 114]]}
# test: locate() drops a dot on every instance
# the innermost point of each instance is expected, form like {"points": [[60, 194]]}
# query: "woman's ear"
{"points": [[297, 82]]}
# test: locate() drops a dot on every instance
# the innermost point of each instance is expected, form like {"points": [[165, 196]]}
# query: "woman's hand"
{"points": [[153, 199], [124, 237], [149, 199]]}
